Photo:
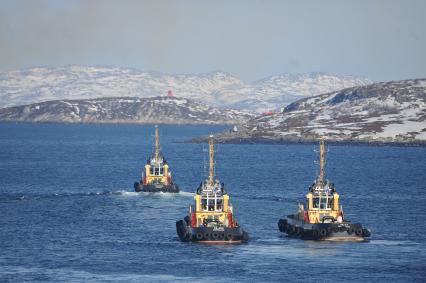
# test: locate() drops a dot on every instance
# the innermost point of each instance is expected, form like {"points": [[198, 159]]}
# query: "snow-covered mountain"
{"points": [[381, 112], [217, 89], [170, 110]]}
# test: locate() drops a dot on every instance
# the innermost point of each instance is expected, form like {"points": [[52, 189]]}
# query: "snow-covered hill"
{"points": [[381, 112], [170, 110], [217, 89]]}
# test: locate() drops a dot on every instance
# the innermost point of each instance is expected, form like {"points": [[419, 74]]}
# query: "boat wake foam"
{"points": [[29, 196]]}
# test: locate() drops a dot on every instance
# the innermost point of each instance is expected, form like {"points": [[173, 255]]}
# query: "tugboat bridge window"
{"points": [[157, 170], [211, 203], [325, 202]]}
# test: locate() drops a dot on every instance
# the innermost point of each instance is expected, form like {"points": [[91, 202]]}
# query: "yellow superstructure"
{"points": [[322, 200]]}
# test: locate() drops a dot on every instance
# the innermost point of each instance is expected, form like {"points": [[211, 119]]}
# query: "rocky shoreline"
{"points": [[262, 140]]}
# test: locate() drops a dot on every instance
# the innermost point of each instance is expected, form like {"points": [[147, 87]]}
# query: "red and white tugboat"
{"points": [[323, 218], [211, 219]]}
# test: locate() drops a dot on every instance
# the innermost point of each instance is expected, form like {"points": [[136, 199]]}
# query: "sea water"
{"points": [[68, 212]]}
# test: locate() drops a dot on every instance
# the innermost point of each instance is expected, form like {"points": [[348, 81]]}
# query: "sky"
{"points": [[380, 40]]}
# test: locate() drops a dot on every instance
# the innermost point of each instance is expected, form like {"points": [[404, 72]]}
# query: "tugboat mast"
{"points": [[156, 142], [211, 162], [321, 161]]}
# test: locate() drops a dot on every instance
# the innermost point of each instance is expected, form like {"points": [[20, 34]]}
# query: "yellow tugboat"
{"points": [[211, 219], [156, 176], [323, 218]]}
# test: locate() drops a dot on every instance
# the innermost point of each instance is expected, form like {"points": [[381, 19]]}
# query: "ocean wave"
{"points": [[393, 242], [27, 196], [68, 275], [186, 194], [126, 193]]}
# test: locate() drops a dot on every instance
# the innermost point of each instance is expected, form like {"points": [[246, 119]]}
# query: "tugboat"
{"points": [[157, 176], [211, 219], [323, 219]]}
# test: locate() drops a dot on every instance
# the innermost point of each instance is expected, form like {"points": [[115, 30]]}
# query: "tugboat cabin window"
{"points": [[204, 204], [322, 202], [315, 202], [211, 203], [219, 204], [157, 170]]}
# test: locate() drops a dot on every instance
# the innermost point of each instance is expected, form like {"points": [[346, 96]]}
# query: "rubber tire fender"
{"points": [[366, 233], [228, 237], [137, 186], [298, 231], [187, 219], [358, 232], [286, 227], [187, 236], [290, 229], [215, 235], [206, 236], [199, 236], [323, 232], [280, 225]]}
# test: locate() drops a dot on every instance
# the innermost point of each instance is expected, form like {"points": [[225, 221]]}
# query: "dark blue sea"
{"points": [[68, 212]]}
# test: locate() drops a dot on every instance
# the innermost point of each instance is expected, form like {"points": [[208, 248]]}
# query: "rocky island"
{"points": [[389, 112]]}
